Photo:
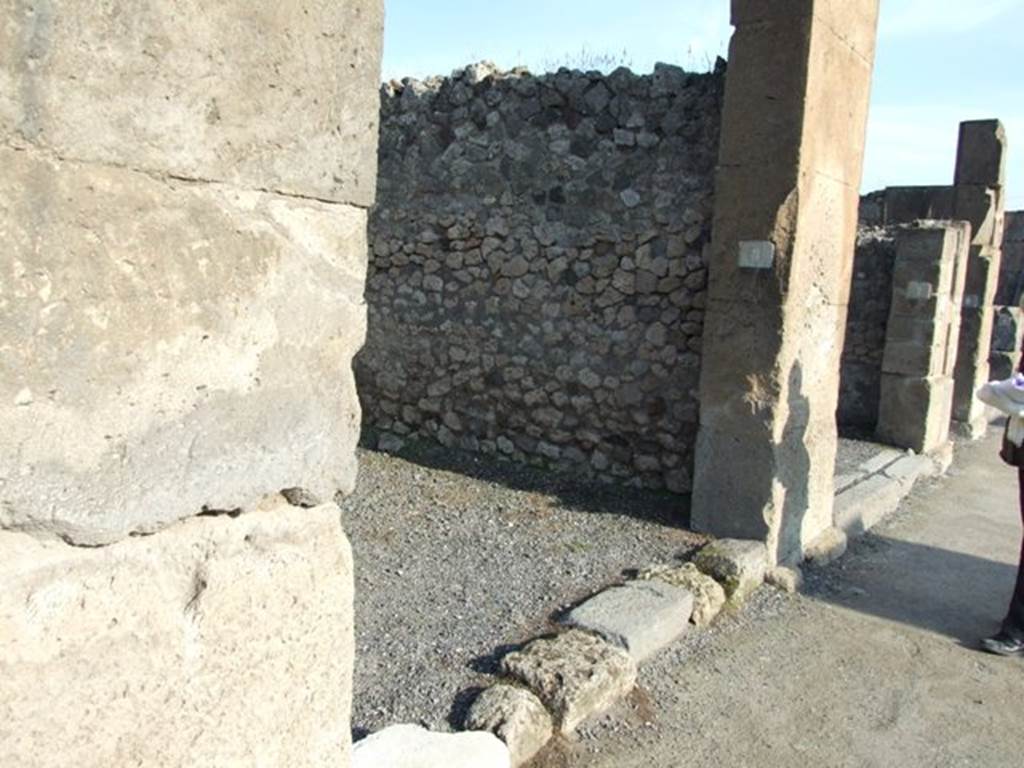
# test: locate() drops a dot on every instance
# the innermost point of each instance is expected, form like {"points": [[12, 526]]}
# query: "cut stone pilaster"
{"points": [[785, 223]]}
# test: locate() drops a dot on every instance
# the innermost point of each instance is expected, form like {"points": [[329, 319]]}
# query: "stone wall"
{"points": [[538, 272], [1011, 269], [183, 210], [866, 322]]}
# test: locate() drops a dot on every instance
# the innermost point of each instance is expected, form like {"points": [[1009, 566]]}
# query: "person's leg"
{"points": [[1014, 623], [1010, 640]]}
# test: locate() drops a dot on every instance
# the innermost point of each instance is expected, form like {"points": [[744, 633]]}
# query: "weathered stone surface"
{"points": [[708, 595], [641, 617], [772, 340], [219, 641], [981, 153], [412, 746], [575, 674], [789, 579], [538, 281], [739, 566], [249, 92], [154, 332], [515, 716], [915, 412], [827, 548], [904, 205], [860, 508]]}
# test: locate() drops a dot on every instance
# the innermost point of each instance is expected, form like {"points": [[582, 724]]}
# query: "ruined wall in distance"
{"points": [[866, 322], [538, 268]]}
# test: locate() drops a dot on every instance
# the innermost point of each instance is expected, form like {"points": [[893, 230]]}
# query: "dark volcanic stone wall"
{"points": [[539, 265], [866, 322]]}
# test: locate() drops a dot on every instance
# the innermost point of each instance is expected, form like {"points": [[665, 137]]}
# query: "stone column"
{"points": [[921, 337], [784, 230], [183, 212], [978, 198]]}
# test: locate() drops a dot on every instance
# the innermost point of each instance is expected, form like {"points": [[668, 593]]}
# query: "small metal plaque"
{"points": [[756, 254]]}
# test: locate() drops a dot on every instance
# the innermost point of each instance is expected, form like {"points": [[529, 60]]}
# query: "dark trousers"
{"points": [[1014, 623]]}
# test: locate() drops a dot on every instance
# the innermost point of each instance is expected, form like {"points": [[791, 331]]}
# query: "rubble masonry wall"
{"points": [[539, 267]]}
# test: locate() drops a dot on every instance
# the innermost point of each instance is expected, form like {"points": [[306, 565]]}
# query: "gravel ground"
{"points": [[851, 453], [458, 557]]}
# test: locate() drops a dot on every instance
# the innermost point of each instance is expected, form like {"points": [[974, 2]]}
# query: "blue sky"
{"points": [[939, 61]]}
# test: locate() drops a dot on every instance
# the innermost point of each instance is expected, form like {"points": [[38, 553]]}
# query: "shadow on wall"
{"points": [[574, 493], [794, 468]]}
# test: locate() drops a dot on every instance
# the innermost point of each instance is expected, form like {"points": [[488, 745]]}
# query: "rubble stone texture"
{"points": [[537, 283], [738, 565], [575, 674], [790, 161], [860, 378], [412, 746], [220, 641], [1007, 342], [929, 275], [515, 716], [708, 595], [641, 617]]}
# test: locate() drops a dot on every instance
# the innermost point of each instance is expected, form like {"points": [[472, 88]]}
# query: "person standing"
{"points": [[1008, 397]]}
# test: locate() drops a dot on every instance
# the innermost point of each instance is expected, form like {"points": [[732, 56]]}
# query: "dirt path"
{"points": [[873, 666]]}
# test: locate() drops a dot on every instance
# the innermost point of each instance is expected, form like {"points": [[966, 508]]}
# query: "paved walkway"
{"points": [[873, 666]]}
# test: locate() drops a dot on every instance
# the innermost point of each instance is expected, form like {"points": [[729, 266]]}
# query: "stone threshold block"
{"points": [[220, 641], [171, 347], [641, 617], [412, 746], [737, 564], [575, 674]]}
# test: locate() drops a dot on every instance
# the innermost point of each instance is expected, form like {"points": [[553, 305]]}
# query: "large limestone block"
{"points": [[906, 204], [412, 746], [217, 642], [257, 93], [642, 617], [914, 412], [167, 347], [981, 153], [575, 674]]}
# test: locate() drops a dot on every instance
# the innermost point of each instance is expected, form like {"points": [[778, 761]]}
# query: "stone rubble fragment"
{"points": [[515, 716], [787, 578], [739, 565], [708, 595], [575, 674]]}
